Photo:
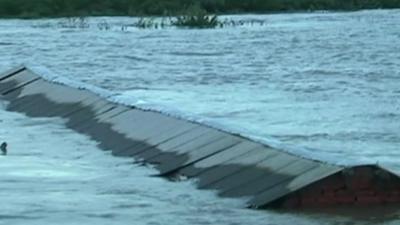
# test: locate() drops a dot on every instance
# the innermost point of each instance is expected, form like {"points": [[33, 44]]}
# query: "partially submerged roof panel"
{"points": [[235, 166]]}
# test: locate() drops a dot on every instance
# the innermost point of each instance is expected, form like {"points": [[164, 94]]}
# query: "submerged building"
{"points": [[233, 165]]}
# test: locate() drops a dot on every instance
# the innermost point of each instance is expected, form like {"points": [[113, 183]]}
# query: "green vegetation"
{"points": [[59, 8], [196, 17], [197, 20]]}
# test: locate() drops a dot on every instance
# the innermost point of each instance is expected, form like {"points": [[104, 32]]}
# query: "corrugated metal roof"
{"points": [[233, 165]]}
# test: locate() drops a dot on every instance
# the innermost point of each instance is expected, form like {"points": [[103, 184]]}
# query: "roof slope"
{"points": [[233, 165]]}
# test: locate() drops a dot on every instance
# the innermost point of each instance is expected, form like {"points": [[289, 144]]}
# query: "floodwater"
{"points": [[323, 85]]}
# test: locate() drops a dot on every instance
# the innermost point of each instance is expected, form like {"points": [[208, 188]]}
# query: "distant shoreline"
{"points": [[28, 9], [218, 14]]}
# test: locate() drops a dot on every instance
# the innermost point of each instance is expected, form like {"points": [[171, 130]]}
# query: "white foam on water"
{"points": [[51, 76]]}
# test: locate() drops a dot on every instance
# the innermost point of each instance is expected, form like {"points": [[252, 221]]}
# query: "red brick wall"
{"points": [[363, 185]]}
